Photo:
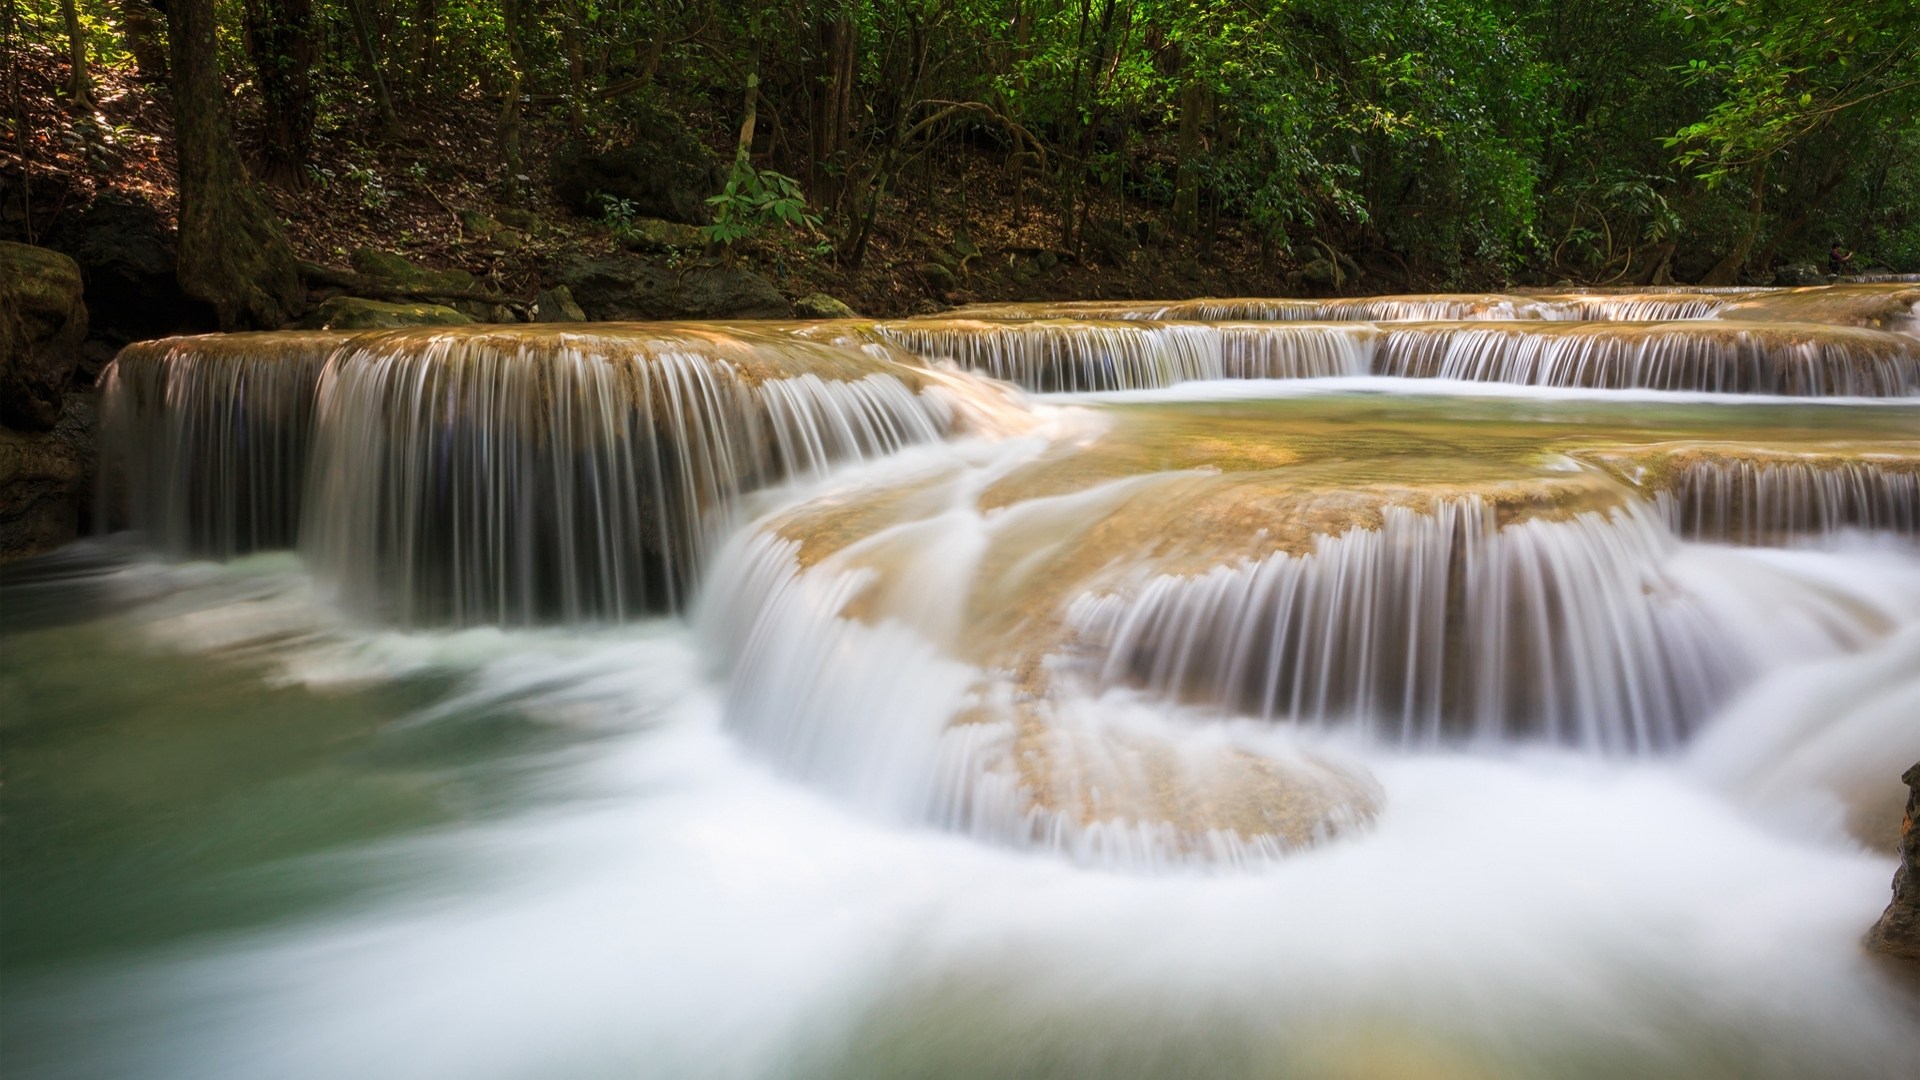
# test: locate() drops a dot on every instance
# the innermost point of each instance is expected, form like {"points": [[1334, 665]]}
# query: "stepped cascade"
{"points": [[495, 475], [1048, 621]]}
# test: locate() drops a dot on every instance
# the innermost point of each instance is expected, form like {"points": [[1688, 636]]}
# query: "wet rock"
{"points": [[46, 481], [821, 306], [354, 313], [1898, 931], [42, 323], [618, 288], [1799, 274], [940, 280], [666, 172], [655, 234], [127, 255], [389, 269], [556, 305]]}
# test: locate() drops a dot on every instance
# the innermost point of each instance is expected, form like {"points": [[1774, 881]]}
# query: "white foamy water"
{"points": [[662, 902]]}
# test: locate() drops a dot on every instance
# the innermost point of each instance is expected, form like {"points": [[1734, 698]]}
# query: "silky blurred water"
{"points": [[244, 835]]}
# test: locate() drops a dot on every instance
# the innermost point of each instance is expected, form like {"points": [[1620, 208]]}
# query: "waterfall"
{"points": [[1443, 626], [1798, 360], [494, 475], [1758, 495], [205, 440], [1080, 356]]}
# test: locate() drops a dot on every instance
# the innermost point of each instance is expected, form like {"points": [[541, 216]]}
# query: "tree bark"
{"points": [[512, 13], [79, 87], [363, 33], [281, 40], [140, 23], [832, 112], [233, 254]]}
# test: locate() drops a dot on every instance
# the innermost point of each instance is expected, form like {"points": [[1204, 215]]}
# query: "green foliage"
{"points": [[753, 200], [1470, 139]]}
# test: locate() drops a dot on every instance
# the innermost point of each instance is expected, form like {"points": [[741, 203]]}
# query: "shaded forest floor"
{"points": [[959, 228]]}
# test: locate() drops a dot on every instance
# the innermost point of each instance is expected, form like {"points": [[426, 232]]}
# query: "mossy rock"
{"points": [[355, 313], [390, 269], [655, 234], [42, 322], [821, 306], [556, 305]]}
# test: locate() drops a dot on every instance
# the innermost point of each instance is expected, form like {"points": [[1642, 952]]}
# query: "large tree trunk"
{"points": [[1195, 110], [233, 254], [832, 113], [281, 40]]}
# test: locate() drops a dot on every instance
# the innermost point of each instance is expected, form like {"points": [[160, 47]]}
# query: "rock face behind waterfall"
{"points": [[1898, 931], [46, 452]]}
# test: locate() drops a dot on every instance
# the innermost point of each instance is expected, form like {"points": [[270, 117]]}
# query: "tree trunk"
{"points": [[79, 87], [513, 11], [1195, 104], [750, 112], [140, 23], [1727, 270], [570, 31], [363, 34], [832, 112], [233, 254], [426, 22], [281, 40]]}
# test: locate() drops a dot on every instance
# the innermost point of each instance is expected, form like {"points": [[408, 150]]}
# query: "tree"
{"points": [[281, 40], [233, 254]]}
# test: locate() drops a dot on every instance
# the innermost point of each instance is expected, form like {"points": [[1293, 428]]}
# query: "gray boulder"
{"points": [[46, 480], [1799, 274], [353, 313], [622, 288], [556, 305], [42, 323], [822, 306]]}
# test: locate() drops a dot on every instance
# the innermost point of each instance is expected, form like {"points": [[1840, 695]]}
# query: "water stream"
{"points": [[1217, 696]]}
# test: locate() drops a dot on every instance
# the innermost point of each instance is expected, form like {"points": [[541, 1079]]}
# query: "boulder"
{"points": [[390, 269], [665, 172], [940, 280], [821, 306], [42, 323], [1799, 274], [354, 313], [524, 220], [624, 288], [556, 305], [46, 481], [1110, 243], [127, 255], [659, 235], [1898, 931]]}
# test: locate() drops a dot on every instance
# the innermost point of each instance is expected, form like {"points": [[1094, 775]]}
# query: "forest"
{"points": [[905, 154]]}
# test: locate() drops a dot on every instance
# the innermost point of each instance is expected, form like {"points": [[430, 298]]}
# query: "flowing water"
{"points": [[1493, 686]]}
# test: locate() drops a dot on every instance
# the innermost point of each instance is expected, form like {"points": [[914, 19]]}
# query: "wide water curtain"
{"points": [[492, 475]]}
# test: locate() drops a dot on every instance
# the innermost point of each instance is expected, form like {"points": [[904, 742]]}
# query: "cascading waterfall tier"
{"points": [[1802, 360], [205, 440], [1759, 494], [527, 475], [1021, 644], [1080, 356], [499, 475], [1602, 306], [1799, 360]]}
